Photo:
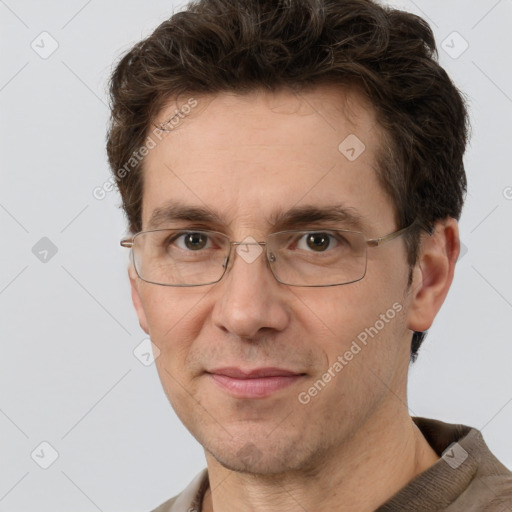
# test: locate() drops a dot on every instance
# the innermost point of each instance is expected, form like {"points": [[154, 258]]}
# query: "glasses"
{"points": [[312, 257]]}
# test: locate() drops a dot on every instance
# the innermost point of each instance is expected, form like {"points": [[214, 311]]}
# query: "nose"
{"points": [[250, 298]]}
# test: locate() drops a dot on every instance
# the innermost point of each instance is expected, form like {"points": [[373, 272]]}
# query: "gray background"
{"points": [[68, 373]]}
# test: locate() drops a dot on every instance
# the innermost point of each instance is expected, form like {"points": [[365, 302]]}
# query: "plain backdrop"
{"points": [[70, 377]]}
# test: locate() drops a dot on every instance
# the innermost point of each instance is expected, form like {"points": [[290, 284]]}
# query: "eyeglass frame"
{"points": [[128, 242]]}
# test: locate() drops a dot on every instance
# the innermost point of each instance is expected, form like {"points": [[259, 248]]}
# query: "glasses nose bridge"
{"points": [[231, 244], [229, 261], [247, 243]]}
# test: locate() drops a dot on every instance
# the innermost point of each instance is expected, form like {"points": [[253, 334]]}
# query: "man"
{"points": [[292, 177]]}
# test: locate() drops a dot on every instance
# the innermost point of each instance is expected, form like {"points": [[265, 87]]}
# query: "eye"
{"points": [[318, 242], [191, 241]]}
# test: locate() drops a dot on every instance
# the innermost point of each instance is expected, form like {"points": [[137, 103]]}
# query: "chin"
{"points": [[249, 459], [263, 455]]}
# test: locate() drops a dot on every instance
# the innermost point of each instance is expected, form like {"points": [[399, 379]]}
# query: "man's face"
{"points": [[248, 158]]}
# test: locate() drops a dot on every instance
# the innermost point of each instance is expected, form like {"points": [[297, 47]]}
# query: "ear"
{"points": [[135, 282], [433, 273]]}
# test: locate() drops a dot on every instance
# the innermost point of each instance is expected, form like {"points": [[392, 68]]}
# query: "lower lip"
{"points": [[254, 388]]}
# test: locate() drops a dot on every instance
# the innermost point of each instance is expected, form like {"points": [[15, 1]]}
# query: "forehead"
{"points": [[247, 157]]}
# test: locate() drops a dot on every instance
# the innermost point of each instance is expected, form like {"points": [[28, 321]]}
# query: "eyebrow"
{"points": [[295, 217]]}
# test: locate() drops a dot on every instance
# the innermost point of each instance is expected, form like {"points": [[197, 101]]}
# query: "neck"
{"points": [[379, 460]]}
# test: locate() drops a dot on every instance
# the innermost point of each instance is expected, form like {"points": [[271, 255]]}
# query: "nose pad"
{"points": [[228, 260]]}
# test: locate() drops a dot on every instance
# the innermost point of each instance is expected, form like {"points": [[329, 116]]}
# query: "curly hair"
{"points": [[239, 46]]}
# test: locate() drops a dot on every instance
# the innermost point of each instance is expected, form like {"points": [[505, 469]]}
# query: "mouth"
{"points": [[254, 383]]}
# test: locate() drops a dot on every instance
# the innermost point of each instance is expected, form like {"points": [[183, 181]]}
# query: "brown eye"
{"points": [[195, 241], [318, 241], [189, 241]]}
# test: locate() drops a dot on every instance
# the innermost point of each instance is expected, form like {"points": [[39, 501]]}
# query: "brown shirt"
{"points": [[467, 478]]}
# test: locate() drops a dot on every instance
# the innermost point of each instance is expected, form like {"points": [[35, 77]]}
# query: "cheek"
{"points": [[359, 322], [174, 318], [342, 312], [363, 350]]}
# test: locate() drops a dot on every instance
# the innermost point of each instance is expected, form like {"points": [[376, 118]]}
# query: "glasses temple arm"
{"points": [[374, 242]]}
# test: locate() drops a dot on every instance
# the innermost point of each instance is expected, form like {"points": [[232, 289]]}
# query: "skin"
{"points": [[354, 444]]}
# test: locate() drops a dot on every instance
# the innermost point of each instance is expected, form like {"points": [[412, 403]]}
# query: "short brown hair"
{"points": [[241, 45]]}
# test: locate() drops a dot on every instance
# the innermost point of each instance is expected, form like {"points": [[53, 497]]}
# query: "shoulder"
{"points": [[466, 478], [167, 506], [190, 499], [484, 482]]}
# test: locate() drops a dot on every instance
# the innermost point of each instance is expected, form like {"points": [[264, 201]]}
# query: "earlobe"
{"points": [[433, 274], [137, 302]]}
